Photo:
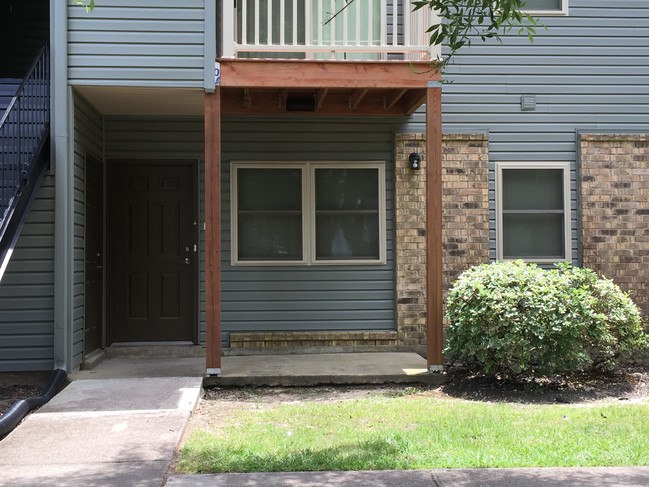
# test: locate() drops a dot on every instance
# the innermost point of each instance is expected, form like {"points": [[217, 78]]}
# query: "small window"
{"points": [[534, 211], [308, 213], [269, 214], [547, 7], [347, 214]]}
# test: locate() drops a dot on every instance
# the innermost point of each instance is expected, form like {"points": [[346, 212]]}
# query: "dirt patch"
{"points": [[20, 385], [623, 385], [10, 394]]}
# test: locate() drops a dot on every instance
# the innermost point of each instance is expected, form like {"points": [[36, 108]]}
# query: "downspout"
{"points": [[62, 171], [19, 410]]}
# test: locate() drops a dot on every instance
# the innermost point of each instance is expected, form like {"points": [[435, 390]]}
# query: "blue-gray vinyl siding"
{"points": [[303, 298], [87, 140], [27, 291], [588, 71], [137, 43], [291, 297]]}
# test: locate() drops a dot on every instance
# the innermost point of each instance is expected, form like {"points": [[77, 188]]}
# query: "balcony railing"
{"points": [[326, 29]]}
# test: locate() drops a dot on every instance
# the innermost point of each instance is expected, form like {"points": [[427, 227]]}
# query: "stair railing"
{"points": [[23, 129]]}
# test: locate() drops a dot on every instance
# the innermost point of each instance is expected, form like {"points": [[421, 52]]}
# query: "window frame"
{"points": [[308, 170], [567, 209], [541, 13]]}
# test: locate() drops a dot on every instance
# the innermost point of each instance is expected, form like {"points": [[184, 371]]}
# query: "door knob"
{"points": [[186, 261]]}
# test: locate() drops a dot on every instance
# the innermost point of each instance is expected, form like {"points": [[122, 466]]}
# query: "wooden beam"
{"points": [[392, 99], [434, 258], [356, 98], [282, 99], [413, 100], [276, 73], [213, 231], [320, 98], [265, 102], [247, 98]]}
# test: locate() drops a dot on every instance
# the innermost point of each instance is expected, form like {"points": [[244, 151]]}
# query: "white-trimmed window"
{"points": [[533, 211], [308, 213], [546, 7]]}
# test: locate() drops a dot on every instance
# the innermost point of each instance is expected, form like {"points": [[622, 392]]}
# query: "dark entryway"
{"points": [[152, 227], [94, 254]]}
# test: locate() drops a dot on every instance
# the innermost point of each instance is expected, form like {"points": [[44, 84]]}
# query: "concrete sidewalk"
{"points": [[488, 477], [101, 432]]}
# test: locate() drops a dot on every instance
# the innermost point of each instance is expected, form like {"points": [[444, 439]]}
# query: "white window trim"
{"points": [[567, 209], [543, 13], [308, 211]]}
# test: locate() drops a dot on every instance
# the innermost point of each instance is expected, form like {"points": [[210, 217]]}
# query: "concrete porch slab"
{"points": [[132, 367], [275, 370], [324, 368]]}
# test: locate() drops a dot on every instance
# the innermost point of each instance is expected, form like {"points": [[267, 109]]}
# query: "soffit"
{"points": [[144, 101]]}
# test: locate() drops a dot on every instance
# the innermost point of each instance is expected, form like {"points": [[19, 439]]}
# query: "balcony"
{"points": [[280, 57], [327, 29], [330, 57]]}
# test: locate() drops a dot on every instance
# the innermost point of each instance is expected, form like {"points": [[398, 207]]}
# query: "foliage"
{"points": [[512, 318], [89, 5], [463, 21]]}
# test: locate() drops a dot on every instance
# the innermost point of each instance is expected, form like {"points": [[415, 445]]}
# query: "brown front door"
{"points": [[94, 254], [151, 252]]}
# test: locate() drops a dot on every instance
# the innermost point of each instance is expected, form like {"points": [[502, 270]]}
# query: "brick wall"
{"points": [[465, 221], [614, 192]]}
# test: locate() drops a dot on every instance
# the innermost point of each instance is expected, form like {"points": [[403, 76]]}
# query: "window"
{"points": [[547, 7], [308, 213], [533, 202]]}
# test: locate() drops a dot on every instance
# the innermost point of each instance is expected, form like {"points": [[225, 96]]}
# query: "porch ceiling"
{"points": [[256, 86], [144, 101]]}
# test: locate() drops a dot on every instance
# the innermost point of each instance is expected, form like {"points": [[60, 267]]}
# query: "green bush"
{"points": [[514, 318]]}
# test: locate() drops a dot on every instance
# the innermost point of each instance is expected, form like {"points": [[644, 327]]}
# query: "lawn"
{"points": [[416, 429]]}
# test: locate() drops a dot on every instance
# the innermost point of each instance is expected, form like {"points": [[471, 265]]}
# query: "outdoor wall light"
{"points": [[415, 161]]}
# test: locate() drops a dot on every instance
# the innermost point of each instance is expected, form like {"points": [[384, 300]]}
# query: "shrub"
{"points": [[514, 318]]}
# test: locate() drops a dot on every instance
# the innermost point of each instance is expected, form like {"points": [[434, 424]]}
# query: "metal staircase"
{"points": [[24, 148]]}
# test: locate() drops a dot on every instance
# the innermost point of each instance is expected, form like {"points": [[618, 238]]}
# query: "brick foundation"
{"points": [[614, 192], [465, 221], [342, 340]]}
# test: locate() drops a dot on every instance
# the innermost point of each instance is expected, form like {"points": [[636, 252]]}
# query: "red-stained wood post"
{"points": [[434, 290], [213, 231]]}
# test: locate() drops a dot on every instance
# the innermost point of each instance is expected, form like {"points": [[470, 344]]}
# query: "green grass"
{"points": [[420, 432]]}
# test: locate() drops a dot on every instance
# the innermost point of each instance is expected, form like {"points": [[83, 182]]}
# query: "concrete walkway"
{"points": [[528, 477], [101, 432]]}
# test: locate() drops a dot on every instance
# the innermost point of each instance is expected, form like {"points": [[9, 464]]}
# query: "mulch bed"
{"points": [[625, 384], [10, 394]]}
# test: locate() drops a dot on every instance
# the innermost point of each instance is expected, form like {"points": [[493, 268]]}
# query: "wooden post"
{"points": [[434, 290], [213, 231]]}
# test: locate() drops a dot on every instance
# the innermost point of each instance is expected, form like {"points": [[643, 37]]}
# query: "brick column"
{"points": [[614, 196], [465, 222]]}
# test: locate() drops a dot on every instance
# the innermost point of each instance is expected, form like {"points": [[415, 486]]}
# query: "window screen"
{"points": [[533, 213]]}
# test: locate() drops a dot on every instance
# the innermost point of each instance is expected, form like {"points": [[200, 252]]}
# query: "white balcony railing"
{"points": [[326, 29]]}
